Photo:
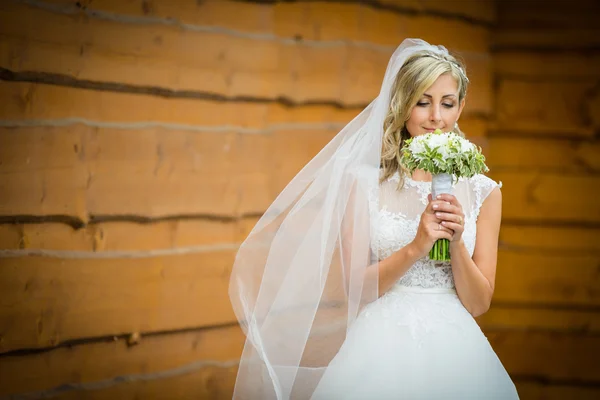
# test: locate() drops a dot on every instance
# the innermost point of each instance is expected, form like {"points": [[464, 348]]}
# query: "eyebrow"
{"points": [[444, 96]]}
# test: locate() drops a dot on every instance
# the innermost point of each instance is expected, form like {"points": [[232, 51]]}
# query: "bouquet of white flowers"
{"points": [[447, 156]]}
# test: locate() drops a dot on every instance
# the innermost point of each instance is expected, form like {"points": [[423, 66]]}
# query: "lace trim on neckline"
{"points": [[408, 179], [423, 187]]}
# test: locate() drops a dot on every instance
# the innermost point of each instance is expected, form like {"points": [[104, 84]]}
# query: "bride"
{"points": [[333, 286]]}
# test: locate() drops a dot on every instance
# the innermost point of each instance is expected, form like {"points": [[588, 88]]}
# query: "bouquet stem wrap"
{"points": [[440, 184]]}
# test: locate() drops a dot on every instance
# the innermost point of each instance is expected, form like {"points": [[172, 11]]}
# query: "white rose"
{"points": [[416, 146], [465, 145]]}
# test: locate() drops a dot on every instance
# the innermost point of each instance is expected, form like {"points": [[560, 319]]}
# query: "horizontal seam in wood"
{"points": [[576, 332], [545, 49], [145, 20], [68, 81], [72, 343], [554, 381], [78, 223], [140, 125], [117, 380], [393, 8], [112, 254], [552, 306]]}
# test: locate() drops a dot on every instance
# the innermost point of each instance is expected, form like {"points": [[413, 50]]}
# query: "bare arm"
{"points": [[475, 277], [392, 268]]}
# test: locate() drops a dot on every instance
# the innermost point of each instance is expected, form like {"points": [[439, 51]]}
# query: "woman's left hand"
{"points": [[450, 213]]}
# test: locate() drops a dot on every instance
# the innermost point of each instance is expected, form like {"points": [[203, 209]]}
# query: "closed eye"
{"points": [[426, 104]]}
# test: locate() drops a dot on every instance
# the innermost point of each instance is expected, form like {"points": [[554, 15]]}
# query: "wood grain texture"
{"points": [[524, 318], [563, 240], [109, 50], [49, 300], [582, 38], [532, 390], [126, 236], [548, 197], [162, 362], [551, 356], [156, 169], [261, 17], [563, 108], [547, 279], [173, 173], [202, 362], [550, 66], [65, 296], [543, 155]]}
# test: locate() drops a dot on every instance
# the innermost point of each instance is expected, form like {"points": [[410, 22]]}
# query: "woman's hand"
{"points": [[451, 216], [442, 219]]}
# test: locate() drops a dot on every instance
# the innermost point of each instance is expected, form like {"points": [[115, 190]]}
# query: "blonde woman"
{"points": [[333, 287]]}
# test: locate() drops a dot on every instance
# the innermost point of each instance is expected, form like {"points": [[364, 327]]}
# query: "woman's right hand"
{"points": [[430, 229]]}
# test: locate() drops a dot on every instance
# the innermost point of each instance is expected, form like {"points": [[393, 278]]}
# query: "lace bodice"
{"points": [[395, 217]]}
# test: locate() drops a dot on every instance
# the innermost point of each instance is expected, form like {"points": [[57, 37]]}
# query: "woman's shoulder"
{"points": [[482, 186], [481, 181]]}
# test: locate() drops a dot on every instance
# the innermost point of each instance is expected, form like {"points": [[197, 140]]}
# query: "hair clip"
{"points": [[438, 57]]}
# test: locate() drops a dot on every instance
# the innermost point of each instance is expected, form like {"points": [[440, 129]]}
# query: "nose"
{"points": [[435, 115]]}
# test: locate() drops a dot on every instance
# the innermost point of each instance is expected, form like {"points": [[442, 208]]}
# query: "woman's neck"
{"points": [[420, 175]]}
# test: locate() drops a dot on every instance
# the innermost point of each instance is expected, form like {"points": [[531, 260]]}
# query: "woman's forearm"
{"points": [[392, 268], [472, 287]]}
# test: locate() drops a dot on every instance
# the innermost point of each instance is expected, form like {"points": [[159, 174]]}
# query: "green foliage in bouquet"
{"points": [[443, 153], [440, 153]]}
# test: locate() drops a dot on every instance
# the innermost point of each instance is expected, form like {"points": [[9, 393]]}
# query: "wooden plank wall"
{"points": [[141, 140], [544, 143]]}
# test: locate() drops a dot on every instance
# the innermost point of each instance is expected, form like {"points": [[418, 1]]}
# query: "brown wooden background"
{"points": [[140, 141]]}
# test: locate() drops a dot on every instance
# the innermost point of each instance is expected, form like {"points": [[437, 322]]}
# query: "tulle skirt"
{"points": [[415, 343]]}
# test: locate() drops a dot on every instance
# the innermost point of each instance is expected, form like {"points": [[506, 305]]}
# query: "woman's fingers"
{"points": [[456, 218], [445, 207], [448, 198], [441, 227], [452, 225]]}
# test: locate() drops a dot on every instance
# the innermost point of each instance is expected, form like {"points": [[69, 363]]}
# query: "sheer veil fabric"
{"points": [[305, 271]]}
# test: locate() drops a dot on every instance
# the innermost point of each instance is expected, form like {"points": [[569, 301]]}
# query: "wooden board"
{"points": [[180, 233], [555, 15], [65, 296], [550, 240], [531, 390], [543, 155], [582, 38], [125, 236], [140, 168], [49, 300], [156, 174], [545, 108], [548, 197], [503, 318], [524, 278], [552, 356], [155, 180], [263, 17], [157, 55], [113, 368], [548, 66], [203, 362]]}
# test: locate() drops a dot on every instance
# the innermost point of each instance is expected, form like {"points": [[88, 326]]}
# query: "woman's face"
{"points": [[437, 108]]}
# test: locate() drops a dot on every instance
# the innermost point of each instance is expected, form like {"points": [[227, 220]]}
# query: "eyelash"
{"points": [[445, 105]]}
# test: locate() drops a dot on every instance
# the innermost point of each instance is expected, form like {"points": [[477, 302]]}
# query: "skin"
{"points": [[474, 277]]}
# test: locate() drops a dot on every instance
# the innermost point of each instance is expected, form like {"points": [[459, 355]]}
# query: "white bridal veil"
{"points": [[305, 271]]}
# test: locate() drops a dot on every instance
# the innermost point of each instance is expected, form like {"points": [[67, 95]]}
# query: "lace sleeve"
{"points": [[482, 186]]}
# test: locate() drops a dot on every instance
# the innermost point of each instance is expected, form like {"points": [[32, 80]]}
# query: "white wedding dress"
{"points": [[417, 341]]}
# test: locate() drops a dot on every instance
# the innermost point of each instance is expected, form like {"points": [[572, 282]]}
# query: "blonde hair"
{"points": [[417, 74]]}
